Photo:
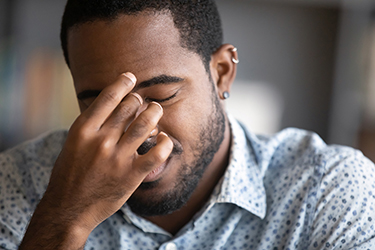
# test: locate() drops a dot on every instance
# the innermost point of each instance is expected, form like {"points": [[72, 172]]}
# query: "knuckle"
{"points": [[141, 127], [78, 124], [137, 131], [110, 96], [126, 110], [81, 133], [147, 121], [78, 137], [122, 113], [105, 146]]}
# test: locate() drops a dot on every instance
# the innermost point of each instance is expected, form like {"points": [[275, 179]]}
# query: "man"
{"points": [[154, 162]]}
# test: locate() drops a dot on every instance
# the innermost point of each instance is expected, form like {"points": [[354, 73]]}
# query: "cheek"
{"points": [[185, 120]]}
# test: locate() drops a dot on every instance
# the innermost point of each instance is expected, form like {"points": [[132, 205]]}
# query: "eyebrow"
{"points": [[161, 79]]}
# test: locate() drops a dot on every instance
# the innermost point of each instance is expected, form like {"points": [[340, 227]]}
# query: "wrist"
{"points": [[52, 228]]}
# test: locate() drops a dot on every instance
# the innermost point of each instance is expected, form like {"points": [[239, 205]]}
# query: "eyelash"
{"points": [[161, 100]]}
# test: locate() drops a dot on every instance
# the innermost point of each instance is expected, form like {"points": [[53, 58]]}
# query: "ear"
{"points": [[223, 68]]}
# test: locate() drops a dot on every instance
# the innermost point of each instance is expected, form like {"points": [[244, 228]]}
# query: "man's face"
{"points": [[148, 45]]}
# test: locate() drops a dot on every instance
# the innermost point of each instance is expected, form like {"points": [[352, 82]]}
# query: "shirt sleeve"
{"points": [[344, 217]]}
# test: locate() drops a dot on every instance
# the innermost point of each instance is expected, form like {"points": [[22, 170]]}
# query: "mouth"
{"points": [[155, 174]]}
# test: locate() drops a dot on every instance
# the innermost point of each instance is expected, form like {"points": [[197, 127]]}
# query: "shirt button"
{"points": [[171, 246]]}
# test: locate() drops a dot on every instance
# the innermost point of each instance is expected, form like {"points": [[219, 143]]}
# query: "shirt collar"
{"points": [[242, 183]]}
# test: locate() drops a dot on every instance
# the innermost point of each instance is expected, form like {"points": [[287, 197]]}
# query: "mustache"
{"points": [[148, 144]]}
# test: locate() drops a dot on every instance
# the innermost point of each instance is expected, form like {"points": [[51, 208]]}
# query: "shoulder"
{"points": [[297, 147], [24, 175], [340, 195], [330, 187], [41, 150], [32, 160], [345, 199], [42, 146], [295, 156], [328, 165]]}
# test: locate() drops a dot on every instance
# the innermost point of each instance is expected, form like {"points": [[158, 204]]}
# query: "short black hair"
{"points": [[198, 21]]}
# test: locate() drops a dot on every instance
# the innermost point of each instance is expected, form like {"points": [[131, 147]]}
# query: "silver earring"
{"points": [[234, 60], [225, 95]]}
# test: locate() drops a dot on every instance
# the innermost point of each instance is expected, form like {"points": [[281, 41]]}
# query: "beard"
{"points": [[211, 137]]}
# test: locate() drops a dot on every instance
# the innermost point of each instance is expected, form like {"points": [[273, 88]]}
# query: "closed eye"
{"points": [[161, 100]]}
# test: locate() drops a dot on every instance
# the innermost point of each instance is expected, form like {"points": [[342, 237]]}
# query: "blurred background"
{"points": [[303, 63]]}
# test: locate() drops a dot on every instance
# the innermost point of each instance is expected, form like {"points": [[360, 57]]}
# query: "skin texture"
{"points": [[99, 168]]}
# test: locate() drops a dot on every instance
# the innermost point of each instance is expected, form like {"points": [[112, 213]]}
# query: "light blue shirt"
{"points": [[286, 191]]}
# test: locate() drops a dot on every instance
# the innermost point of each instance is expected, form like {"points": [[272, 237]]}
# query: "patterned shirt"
{"points": [[286, 191]]}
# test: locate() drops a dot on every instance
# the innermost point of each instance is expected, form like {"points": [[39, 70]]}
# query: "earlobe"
{"points": [[224, 65]]}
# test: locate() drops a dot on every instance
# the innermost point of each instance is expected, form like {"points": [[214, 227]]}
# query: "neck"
{"points": [[173, 222]]}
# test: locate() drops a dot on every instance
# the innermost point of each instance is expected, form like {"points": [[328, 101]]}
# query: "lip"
{"points": [[156, 173]]}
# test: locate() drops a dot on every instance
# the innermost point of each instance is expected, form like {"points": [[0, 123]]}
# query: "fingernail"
{"points": [[163, 133], [154, 132], [136, 95], [131, 76], [158, 105]]}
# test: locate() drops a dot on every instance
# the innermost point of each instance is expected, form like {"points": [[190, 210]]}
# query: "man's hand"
{"points": [[98, 168]]}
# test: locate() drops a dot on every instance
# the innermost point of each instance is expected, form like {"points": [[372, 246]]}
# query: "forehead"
{"points": [[146, 44]]}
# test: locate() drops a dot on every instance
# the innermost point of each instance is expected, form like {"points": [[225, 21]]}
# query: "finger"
{"points": [[108, 99], [155, 156], [122, 116], [141, 128]]}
